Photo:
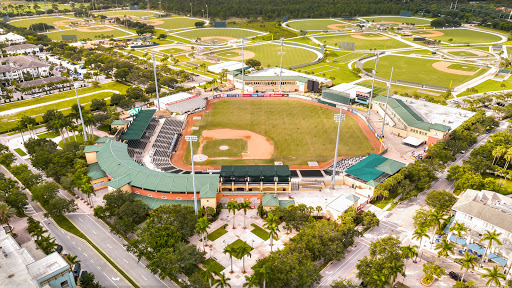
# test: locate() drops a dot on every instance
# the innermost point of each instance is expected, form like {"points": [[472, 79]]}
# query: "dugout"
{"points": [[255, 178]]}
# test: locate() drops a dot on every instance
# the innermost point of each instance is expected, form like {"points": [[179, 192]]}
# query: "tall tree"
{"points": [[445, 248], [230, 250], [468, 262], [246, 205], [202, 227], [490, 237], [493, 275], [233, 207], [222, 282], [419, 234], [6, 213], [272, 225], [242, 251]]}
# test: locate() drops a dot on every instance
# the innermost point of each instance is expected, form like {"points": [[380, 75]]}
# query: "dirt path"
{"points": [[443, 66], [337, 26], [361, 36], [88, 29], [258, 146], [431, 33]]}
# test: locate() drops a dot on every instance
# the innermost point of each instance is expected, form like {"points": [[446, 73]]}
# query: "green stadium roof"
{"points": [[286, 203], [272, 78], [113, 158], [92, 148], [103, 139], [119, 122], [255, 171], [139, 125], [269, 200], [373, 166], [408, 115], [95, 171], [154, 203], [335, 96]]}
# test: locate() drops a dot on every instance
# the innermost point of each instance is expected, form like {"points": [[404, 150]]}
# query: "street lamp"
{"points": [[156, 82], [373, 85], [387, 98], [338, 118], [190, 139], [243, 67], [208, 18], [281, 65], [80, 111], [191, 9]]}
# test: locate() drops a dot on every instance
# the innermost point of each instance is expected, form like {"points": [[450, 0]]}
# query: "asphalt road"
{"points": [[397, 222]]}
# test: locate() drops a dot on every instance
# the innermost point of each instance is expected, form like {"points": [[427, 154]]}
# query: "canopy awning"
{"points": [[497, 259], [413, 141]]}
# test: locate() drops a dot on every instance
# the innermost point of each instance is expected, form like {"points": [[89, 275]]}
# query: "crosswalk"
{"points": [[29, 210]]}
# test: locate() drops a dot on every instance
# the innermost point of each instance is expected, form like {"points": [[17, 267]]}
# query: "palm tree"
{"points": [[419, 234], [397, 267], [408, 252], [379, 280], [490, 237], [38, 232], [494, 276], [201, 227], [497, 153], [445, 248], [459, 228], [272, 227], [469, 261], [222, 282], [436, 219], [20, 127], [250, 281], [242, 251], [264, 270], [73, 259], [231, 251], [6, 212], [233, 207], [508, 157], [207, 275], [246, 205]]}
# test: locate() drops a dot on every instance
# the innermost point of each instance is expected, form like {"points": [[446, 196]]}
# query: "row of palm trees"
{"points": [[234, 206], [238, 252]]}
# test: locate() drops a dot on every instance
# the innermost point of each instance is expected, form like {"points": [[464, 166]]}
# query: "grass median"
{"points": [[67, 225]]}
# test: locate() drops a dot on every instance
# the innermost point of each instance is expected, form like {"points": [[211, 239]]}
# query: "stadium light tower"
{"points": [[373, 85], [243, 66], [80, 111], [208, 18], [190, 139], [387, 98], [281, 66], [156, 83], [338, 118]]}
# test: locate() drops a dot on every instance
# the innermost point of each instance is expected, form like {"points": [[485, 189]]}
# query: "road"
{"points": [[397, 222], [110, 244]]}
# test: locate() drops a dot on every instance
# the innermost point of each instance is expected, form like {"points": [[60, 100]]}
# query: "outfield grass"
{"points": [[464, 67], [214, 266], [137, 13], [172, 50], [174, 23], [398, 19], [363, 44], [320, 24], [418, 70], [213, 32], [418, 52], [462, 53], [20, 152], [340, 72], [274, 32], [300, 131], [402, 90], [268, 55], [48, 20], [238, 243], [236, 148], [217, 233], [63, 95], [303, 40], [114, 33], [461, 36]]}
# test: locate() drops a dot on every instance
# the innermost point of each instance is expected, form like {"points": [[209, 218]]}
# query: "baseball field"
{"points": [[268, 54], [428, 71], [136, 13], [459, 36], [93, 33], [220, 34], [363, 41], [172, 23], [292, 131], [318, 24], [54, 21], [397, 20]]}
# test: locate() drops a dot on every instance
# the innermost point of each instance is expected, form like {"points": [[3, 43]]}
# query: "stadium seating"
{"points": [[190, 106], [165, 145], [345, 163]]}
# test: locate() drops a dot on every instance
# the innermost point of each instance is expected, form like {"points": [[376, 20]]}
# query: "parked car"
{"points": [[76, 270], [456, 276]]}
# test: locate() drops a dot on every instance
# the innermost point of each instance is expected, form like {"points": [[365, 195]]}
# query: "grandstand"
{"points": [[136, 147], [343, 164], [188, 106], [165, 144]]}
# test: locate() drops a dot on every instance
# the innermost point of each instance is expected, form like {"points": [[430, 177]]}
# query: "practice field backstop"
{"points": [[348, 46], [219, 24], [405, 13]]}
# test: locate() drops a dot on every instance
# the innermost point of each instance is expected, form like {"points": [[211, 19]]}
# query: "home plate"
{"points": [[200, 158]]}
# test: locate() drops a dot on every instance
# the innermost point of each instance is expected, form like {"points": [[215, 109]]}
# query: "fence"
{"points": [[318, 60]]}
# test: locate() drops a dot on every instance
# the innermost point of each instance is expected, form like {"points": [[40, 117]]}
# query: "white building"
{"points": [[228, 66], [14, 67], [173, 99], [339, 205], [21, 49], [11, 38], [482, 211]]}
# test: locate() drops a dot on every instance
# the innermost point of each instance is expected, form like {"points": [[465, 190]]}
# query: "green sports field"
{"points": [[420, 70], [317, 24], [93, 35], [48, 20], [268, 54], [172, 50], [137, 13], [398, 19], [461, 36], [300, 132], [462, 53], [172, 23], [363, 44], [235, 149], [216, 32]]}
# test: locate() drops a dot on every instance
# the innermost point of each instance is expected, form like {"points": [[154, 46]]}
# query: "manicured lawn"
{"points": [[172, 23], [303, 40], [48, 134], [462, 53], [320, 24], [363, 44], [489, 85], [461, 36], [340, 72], [110, 86], [274, 32], [48, 20], [381, 87], [385, 201], [268, 54], [260, 232], [418, 52], [172, 50], [95, 34], [121, 13], [237, 244], [220, 32], [215, 266], [418, 70], [398, 19], [20, 152], [463, 67], [79, 139], [217, 233], [507, 184], [300, 131], [235, 148]]}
